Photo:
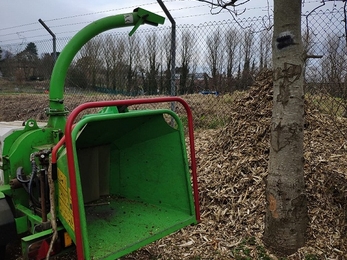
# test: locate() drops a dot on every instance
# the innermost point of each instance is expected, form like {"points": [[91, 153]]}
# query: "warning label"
{"points": [[64, 201]]}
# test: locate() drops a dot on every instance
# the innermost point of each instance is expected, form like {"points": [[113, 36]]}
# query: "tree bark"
{"points": [[286, 218]]}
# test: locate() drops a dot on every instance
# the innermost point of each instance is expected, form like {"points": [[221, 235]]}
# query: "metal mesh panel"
{"points": [[215, 62], [326, 73]]}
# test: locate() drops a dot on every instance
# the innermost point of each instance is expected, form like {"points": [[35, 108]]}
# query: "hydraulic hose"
{"points": [[19, 174], [33, 180]]}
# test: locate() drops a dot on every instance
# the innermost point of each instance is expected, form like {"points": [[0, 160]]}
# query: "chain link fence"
{"points": [[215, 62]]}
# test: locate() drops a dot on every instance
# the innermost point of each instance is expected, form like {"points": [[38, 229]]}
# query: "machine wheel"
{"points": [[7, 226], [2, 251]]}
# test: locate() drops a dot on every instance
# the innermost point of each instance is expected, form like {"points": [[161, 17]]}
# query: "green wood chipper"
{"points": [[105, 183]]}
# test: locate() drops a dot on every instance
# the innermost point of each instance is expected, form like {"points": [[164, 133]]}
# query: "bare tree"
{"points": [[247, 54], [133, 58], [107, 49], [90, 61], [334, 64], [161, 56], [45, 66], [166, 88], [286, 212], [215, 58], [286, 215], [8, 64], [231, 45], [334, 74], [186, 56], [265, 49], [193, 79], [151, 56], [115, 60], [119, 65]]}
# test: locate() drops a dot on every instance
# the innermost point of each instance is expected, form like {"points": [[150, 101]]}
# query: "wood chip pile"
{"points": [[232, 167]]}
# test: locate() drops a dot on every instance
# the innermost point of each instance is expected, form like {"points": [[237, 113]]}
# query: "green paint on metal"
{"points": [[146, 17], [163, 204], [16, 153], [28, 241], [5, 189], [20, 144], [17, 148], [34, 219], [37, 235], [57, 110], [127, 225], [133, 180], [21, 224]]}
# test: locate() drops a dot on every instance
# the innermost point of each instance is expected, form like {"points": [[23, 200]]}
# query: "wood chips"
{"points": [[232, 167]]}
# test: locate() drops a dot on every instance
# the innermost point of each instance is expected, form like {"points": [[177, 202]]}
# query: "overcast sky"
{"points": [[19, 18]]}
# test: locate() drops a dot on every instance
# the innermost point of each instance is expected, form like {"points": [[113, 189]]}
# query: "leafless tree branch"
{"points": [[225, 5], [217, 6], [323, 4]]}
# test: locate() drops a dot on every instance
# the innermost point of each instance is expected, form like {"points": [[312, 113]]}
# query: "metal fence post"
{"points": [[54, 40], [173, 50]]}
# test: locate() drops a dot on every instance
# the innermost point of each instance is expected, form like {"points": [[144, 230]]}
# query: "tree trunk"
{"points": [[286, 212]]}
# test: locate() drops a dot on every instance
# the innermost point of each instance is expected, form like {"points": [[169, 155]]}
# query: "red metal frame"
{"points": [[67, 139]]}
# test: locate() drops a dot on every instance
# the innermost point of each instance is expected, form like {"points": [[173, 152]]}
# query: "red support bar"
{"points": [[71, 163], [56, 148]]}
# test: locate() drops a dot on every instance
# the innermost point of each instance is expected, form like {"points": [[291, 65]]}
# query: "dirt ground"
{"points": [[232, 168]]}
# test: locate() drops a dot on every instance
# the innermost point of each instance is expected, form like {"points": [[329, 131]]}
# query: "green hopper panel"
{"points": [[133, 181]]}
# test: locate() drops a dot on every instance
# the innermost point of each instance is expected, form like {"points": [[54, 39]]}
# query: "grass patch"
{"points": [[249, 249], [327, 104]]}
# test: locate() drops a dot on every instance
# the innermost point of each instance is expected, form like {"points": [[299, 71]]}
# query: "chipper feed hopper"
{"points": [[104, 183]]}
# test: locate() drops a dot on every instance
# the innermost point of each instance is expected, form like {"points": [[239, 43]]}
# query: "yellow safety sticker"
{"points": [[64, 200]]}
